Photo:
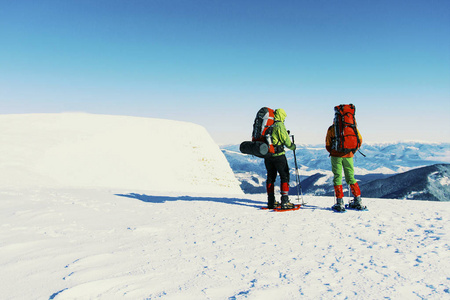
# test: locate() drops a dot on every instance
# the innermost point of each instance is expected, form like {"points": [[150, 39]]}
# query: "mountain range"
{"points": [[426, 183], [379, 172]]}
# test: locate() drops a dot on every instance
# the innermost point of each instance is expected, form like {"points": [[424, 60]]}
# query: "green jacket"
{"points": [[280, 135]]}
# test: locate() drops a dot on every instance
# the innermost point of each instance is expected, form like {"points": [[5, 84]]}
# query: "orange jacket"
{"points": [[328, 143]]}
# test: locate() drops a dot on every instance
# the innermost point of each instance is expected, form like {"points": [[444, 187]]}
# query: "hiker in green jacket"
{"points": [[277, 163]]}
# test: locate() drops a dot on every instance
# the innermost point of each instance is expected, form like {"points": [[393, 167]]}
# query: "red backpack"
{"points": [[346, 135], [263, 126]]}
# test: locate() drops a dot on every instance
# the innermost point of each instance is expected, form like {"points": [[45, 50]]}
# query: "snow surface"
{"points": [[102, 244], [125, 233]]}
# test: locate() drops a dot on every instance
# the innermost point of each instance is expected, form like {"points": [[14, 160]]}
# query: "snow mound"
{"points": [[72, 150]]}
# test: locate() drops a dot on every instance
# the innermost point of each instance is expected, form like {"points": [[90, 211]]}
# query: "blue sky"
{"points": [[215, 63]]}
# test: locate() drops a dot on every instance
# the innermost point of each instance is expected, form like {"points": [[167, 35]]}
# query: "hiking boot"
{"points": [[271, 203], [339, 206], [285, 204], [356, 203]]}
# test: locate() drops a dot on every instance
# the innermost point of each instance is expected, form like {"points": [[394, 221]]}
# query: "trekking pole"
{"points": [[299, 186]]}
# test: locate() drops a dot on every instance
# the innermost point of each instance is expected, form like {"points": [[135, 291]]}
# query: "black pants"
{"points": [[274, 165]]}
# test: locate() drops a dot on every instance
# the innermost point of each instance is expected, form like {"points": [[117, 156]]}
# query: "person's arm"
{"points": [[284, 138], [360, 137], [328, 139]]}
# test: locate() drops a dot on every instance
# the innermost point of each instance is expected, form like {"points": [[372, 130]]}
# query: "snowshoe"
{"points": [[354, 207], [294, 207], [339, 206], [273, 206], [277, 204], [356, 204], [285, 204], [278, 208]]}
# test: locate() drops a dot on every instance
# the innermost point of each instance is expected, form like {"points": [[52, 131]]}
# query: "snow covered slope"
{"points": [[99, 151]]}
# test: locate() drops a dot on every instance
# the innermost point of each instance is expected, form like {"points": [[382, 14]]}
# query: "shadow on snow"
{"points": [[162, 199], [314, 207]]}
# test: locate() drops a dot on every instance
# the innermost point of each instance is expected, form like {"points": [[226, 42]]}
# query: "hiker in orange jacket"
{"points": [[339, 161]]}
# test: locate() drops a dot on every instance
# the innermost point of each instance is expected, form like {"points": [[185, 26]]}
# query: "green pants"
{"points": [[339, 163]]}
